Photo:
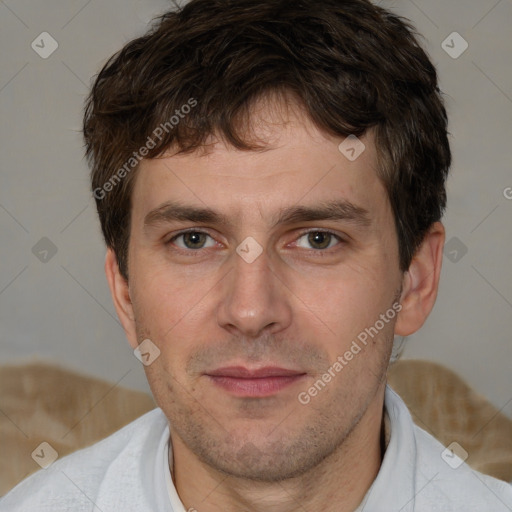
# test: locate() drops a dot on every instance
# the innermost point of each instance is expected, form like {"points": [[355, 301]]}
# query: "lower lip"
{"points": [[260, 387]]}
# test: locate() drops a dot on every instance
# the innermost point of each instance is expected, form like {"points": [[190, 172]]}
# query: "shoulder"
{"points": [[75, 481], [442, 478], [446, 476]]}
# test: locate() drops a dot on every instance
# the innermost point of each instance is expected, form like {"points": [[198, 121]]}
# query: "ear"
{"points": [[420, 282], [120, 292]]}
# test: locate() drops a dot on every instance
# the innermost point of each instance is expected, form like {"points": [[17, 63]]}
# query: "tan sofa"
{"points": [[45, 403]]}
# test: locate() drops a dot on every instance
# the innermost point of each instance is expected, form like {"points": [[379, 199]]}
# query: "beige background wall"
{"points": [[57, 306]]}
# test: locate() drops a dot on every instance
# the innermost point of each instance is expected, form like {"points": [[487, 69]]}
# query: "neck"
{"points": [[339, 483]]}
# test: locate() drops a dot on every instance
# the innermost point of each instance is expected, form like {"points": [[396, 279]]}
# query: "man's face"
{"points": [[243, 334]]}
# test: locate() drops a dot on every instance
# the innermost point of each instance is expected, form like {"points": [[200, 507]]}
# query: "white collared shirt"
{"points": [[129, 471]]}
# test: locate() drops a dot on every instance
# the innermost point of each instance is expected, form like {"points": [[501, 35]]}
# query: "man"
{"points": [[270, 179]]}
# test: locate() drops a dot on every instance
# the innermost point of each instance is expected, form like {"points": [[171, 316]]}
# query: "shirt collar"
{"points": [[395, 482]]}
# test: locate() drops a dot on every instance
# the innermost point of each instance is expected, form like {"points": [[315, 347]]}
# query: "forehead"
{"points": [[299, 165]]}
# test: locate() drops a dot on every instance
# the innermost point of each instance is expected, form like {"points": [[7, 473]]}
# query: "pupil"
{"points": [[321, 239], [194, 239]]}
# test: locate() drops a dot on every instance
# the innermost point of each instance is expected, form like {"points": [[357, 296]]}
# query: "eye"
{"points": [[318, 240], [192, 240]]}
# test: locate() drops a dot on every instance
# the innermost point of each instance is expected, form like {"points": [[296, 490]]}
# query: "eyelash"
{"points": [[196, 252]]}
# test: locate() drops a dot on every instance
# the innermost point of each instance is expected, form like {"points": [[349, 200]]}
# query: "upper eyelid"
{"points": [[190, 230], [324, 230]]}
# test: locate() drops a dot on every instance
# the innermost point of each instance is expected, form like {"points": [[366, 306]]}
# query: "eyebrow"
{"points": [[332, 210]]}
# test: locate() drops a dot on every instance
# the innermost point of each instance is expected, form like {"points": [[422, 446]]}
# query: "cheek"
{"points": [[345, 304], [344, 301], [167, 301]]}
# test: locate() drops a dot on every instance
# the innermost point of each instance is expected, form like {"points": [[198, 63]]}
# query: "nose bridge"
{"points": [[253, 298]]}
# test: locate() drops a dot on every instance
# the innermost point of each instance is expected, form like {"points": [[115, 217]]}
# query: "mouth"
{"points": [[257, 383]]}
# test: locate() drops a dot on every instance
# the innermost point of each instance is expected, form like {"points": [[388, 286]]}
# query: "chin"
{"points": [[276, 461]]}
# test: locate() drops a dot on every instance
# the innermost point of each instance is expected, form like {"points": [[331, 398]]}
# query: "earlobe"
{"points": [[421, 281], [120, 292]]}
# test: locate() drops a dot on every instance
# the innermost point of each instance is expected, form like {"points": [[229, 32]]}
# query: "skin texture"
{"points": [[298, 305]]}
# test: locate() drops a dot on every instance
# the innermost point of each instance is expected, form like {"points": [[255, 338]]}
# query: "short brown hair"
{"points": [[351, 65]]}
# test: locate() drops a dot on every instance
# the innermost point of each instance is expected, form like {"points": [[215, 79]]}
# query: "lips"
{"points": [[261, 382]]}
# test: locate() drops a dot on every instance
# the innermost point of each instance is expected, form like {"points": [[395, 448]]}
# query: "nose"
{"points": [[253, 299]]}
